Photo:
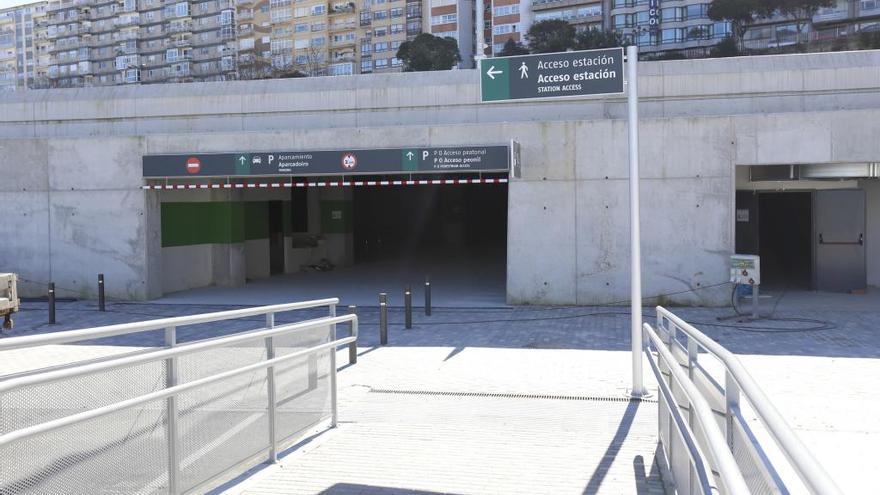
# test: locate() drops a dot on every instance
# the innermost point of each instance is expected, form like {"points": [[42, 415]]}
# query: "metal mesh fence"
{"points": [[750, 466], [120, 453], [219, 425], [302, 384]]}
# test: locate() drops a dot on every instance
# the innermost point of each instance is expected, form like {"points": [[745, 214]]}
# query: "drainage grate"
{"points": [[499, 395]]}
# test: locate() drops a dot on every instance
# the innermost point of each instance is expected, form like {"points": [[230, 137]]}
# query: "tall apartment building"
{"points": [[101, 42], [317, 37], [24, 47], [454, 19], [843, 19]]}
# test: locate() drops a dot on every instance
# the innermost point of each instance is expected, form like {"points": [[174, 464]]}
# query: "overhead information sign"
{"points": [[340, 162], [552, 75]]}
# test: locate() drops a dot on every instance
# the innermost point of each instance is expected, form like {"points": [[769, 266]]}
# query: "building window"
{"points": [[443, 19], [381, 63], [380, 14], [319, 9], [505, 10], [398, 12], [366, 66], [379, 32], [504, 29], [380, 47]]}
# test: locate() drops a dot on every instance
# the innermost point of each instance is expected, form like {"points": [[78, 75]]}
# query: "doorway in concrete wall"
{"points": [[777, 226]]}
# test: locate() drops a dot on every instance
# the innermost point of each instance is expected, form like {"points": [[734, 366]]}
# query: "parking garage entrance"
{"points": [[354, 233]]}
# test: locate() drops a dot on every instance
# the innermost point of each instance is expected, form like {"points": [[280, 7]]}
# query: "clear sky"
{"points": [[11, 3]]}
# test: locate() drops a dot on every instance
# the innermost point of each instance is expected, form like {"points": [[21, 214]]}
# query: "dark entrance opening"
{"points": [[778, 228], [276, 238], [454, 233]]}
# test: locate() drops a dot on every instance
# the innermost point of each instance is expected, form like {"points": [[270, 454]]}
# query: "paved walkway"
{"points": [[819, 368]]}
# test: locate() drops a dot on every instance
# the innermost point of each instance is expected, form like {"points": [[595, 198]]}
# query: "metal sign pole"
{"points": [[632, 100]]}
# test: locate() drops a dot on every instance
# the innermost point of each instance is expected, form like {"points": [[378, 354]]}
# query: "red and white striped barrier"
{"points": [[355, 183]]}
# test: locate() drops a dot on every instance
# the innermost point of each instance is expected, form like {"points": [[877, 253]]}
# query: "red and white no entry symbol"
{"points": [[349, 161], [193, 165]]}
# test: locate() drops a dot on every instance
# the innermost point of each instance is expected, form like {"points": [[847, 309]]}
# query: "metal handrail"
{"points": [[685, 433], [171, 355], [159, 324], [717, 445], [807, 467], [168, 392], [158, 355]]}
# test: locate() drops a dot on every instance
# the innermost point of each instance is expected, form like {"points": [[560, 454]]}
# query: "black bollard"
{"points": [[407, 301], [427, 296], [383, 318], [51, 303], [100, 292], [353, 347]]}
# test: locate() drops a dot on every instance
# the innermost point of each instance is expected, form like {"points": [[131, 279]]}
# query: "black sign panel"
{"points": [[550, 75], [347, 162]]}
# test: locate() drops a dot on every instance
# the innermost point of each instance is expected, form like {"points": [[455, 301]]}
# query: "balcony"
{"points": [[341, 9], [343, 43], [342, 26], [179, 28]]}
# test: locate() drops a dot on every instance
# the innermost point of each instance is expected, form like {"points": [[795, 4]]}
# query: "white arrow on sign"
{"points": [[492, 72], [409, 155]]}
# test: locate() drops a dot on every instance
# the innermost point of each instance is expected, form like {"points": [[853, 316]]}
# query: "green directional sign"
{"points": [[552, 75]]}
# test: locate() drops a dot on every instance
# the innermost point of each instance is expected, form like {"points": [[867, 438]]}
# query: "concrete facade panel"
{"points": [[24, 239], [541, 242], [186, 267], [98, 163], [24, 165], [99, 232]]}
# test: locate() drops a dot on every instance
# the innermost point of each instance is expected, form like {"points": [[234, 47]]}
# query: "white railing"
{"points": [[708, 444], [173, 419]]}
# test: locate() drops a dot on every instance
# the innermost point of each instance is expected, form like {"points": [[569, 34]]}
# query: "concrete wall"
{"points": [[74, 160]]}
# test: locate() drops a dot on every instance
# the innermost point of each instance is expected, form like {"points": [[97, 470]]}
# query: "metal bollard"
{"points": [[100, 292], [51, 303], [427, 296], [383, 318], [353, 347], [407, 301]]}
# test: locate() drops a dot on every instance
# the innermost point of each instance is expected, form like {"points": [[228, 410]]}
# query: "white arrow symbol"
{"points": [[492, 72], [241, 159], [409, 155]]}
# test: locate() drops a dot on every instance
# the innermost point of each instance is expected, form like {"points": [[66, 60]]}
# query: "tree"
{"points": [[725, 48], [740, 13], [512, 48], [595, 38], [801, 11], [550, 36], [429, 52]]}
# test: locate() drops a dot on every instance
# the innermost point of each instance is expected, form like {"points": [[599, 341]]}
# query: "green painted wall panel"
{"points": [[215, 222], [336, 217]]}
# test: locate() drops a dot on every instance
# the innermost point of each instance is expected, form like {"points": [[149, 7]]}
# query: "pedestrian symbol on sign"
{"points": [[523, 71]]}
